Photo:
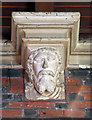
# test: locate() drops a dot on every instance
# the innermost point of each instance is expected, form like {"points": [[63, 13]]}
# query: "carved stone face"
{"points": [[45, 66], [43, 69]]}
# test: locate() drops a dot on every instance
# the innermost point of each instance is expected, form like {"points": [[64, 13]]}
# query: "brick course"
{"points": [[16, 88], [78, 102], [77, 89], [16, 81], [51, 112], [74, 113], [12, 113], [5, 80], [13, 104], [43, 105], [88, 96], [73, 81]]}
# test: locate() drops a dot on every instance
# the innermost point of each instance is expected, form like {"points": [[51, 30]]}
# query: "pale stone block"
{"points": [[63, 18], [7, 49], [79, 61], [45, 70], [71, 61], [40, 32], [37, 41], [53, 18]]}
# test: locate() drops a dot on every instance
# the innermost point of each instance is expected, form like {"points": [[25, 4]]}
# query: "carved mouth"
{"points": [[46, 72]]}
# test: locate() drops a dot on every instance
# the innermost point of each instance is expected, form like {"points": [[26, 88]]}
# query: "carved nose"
{"points": [[45, 64]]}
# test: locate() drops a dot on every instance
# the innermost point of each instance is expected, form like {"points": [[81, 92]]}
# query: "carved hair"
{"points": [[29, 68]]}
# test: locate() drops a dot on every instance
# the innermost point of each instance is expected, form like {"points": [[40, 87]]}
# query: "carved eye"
{"points": [[39, 59]]}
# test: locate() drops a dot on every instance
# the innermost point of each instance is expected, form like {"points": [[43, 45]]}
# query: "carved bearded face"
{"points": [[45, 65]]}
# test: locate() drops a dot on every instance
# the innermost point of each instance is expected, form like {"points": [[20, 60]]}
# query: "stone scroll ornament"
{"points": [[43, 80]]}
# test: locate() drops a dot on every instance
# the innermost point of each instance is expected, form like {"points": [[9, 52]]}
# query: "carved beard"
{"points": [[45, 82]]}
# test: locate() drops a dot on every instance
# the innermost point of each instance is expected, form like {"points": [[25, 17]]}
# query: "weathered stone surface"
{"points": [[43, 41], [53, 20], [45, 69], [65, 20], [40, 32]]}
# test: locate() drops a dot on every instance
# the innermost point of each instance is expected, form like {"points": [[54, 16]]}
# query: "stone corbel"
{"points": [[48, 43]]}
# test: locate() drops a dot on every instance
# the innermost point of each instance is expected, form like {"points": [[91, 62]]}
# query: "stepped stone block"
{"points": [[40, 32], [65, 20]]}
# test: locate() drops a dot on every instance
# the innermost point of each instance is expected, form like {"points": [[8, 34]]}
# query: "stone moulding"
{"points": [[72, 61], [39, 31], [21, 21], [48, 43], [53, 18], [29, 18]]}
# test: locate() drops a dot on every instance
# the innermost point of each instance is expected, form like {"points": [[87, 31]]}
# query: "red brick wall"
{"points": [[85, 19], [7, 9], [78, 102], [84, 8]]}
